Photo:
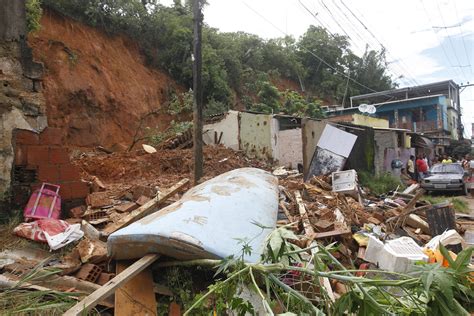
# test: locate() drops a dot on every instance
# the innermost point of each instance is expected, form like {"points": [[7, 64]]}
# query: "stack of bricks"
{"points": [[42, 158]]}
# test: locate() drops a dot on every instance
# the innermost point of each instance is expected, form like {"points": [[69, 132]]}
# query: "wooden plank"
{"points": [[7, 282], [441, 218], [145, 209], [109, 288], [308, 229], [135, 297], [332, 233], [412, 188], [327, 286], [162, 290], [287, 213], [417, 222]]}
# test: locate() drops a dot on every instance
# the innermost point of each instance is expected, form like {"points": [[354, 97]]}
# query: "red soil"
{"points": [[96, 86]]}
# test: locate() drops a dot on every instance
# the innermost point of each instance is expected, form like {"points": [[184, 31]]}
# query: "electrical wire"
{"points": [[450, 40], [309, 51], [437, 38], [462, 32], [315, 16], [402, 65], [401, 72]]}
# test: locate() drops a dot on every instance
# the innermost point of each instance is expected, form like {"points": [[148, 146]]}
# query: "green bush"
{"points": [[214, 107], [379, 184], [156, 138], [181, 103], [233, 63], [33, 15]]}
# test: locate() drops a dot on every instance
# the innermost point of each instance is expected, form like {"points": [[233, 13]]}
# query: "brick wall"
{"points": [[41, 158]]}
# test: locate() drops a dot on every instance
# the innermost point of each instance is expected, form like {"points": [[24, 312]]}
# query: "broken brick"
{"points": [[324, 225], [89, 272], [104, 278], [97, 185], [92, 251], [98, 199], [77, 212], [140, 190], [142, 200]]}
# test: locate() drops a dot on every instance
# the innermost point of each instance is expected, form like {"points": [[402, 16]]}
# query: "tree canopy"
{"points": [[239, 68]]}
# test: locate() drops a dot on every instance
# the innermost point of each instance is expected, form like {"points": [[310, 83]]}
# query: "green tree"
{"points": [[238, 65]]}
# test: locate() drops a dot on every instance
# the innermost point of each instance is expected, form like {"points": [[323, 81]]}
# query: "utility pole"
{"points": [[197, 91]]}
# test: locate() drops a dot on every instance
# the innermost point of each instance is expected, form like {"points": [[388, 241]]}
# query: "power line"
{"points": [[337, 22], [397, 61], [400, 73], [402, 65], [315, 16], [450, 40], [309, 51], [462, 31], [437, 38], [354, 29]]}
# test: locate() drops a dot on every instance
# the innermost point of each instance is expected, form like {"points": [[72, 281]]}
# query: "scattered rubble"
{"points": [[391, 232]]}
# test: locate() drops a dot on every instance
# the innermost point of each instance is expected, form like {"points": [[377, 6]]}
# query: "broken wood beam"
{"points": [[332, 233], [417, 222], [412, 188], [145, 209], [137, 296], [109, 288], [287, 213], [7, 283], [308, 229]]}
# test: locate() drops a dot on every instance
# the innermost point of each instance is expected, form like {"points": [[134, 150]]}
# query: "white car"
{"points": [[446, 177]]}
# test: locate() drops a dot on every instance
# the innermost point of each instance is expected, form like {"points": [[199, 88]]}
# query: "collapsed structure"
{"points": [[306, 239]]}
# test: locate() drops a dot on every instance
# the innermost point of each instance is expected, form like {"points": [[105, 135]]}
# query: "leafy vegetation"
{"points": [[156, 138], [458, 204], [379, 184], [288, 279], [459, 148], [181, 103], [33, 15], [238, 66], [18, 300]]}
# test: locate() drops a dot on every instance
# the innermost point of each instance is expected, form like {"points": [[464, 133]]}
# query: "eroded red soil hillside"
{"points": [[97, 86]]}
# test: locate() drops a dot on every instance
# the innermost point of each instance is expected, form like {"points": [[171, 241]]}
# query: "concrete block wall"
{"points": [[41, 158]]}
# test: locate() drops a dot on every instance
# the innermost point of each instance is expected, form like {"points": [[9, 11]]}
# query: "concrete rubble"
{"points": [[372, 232]]}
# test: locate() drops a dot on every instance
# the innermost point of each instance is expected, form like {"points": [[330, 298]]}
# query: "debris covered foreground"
{"points": [[324, 257]]}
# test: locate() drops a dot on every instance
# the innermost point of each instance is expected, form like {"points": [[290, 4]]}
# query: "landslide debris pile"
{"points": [[317, 261]]}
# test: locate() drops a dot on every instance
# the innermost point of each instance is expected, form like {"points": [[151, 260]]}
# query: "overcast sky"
{"points": [[426, 40]]}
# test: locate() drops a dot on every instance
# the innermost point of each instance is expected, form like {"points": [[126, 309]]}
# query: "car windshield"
{"points": [[447, 168]]}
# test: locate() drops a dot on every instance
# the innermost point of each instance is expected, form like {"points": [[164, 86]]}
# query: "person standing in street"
{"points": [[411, 167], [421, 167]]}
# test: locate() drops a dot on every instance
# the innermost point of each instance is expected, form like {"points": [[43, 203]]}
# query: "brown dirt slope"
{"points": [[96, 86], [163, 168]]}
